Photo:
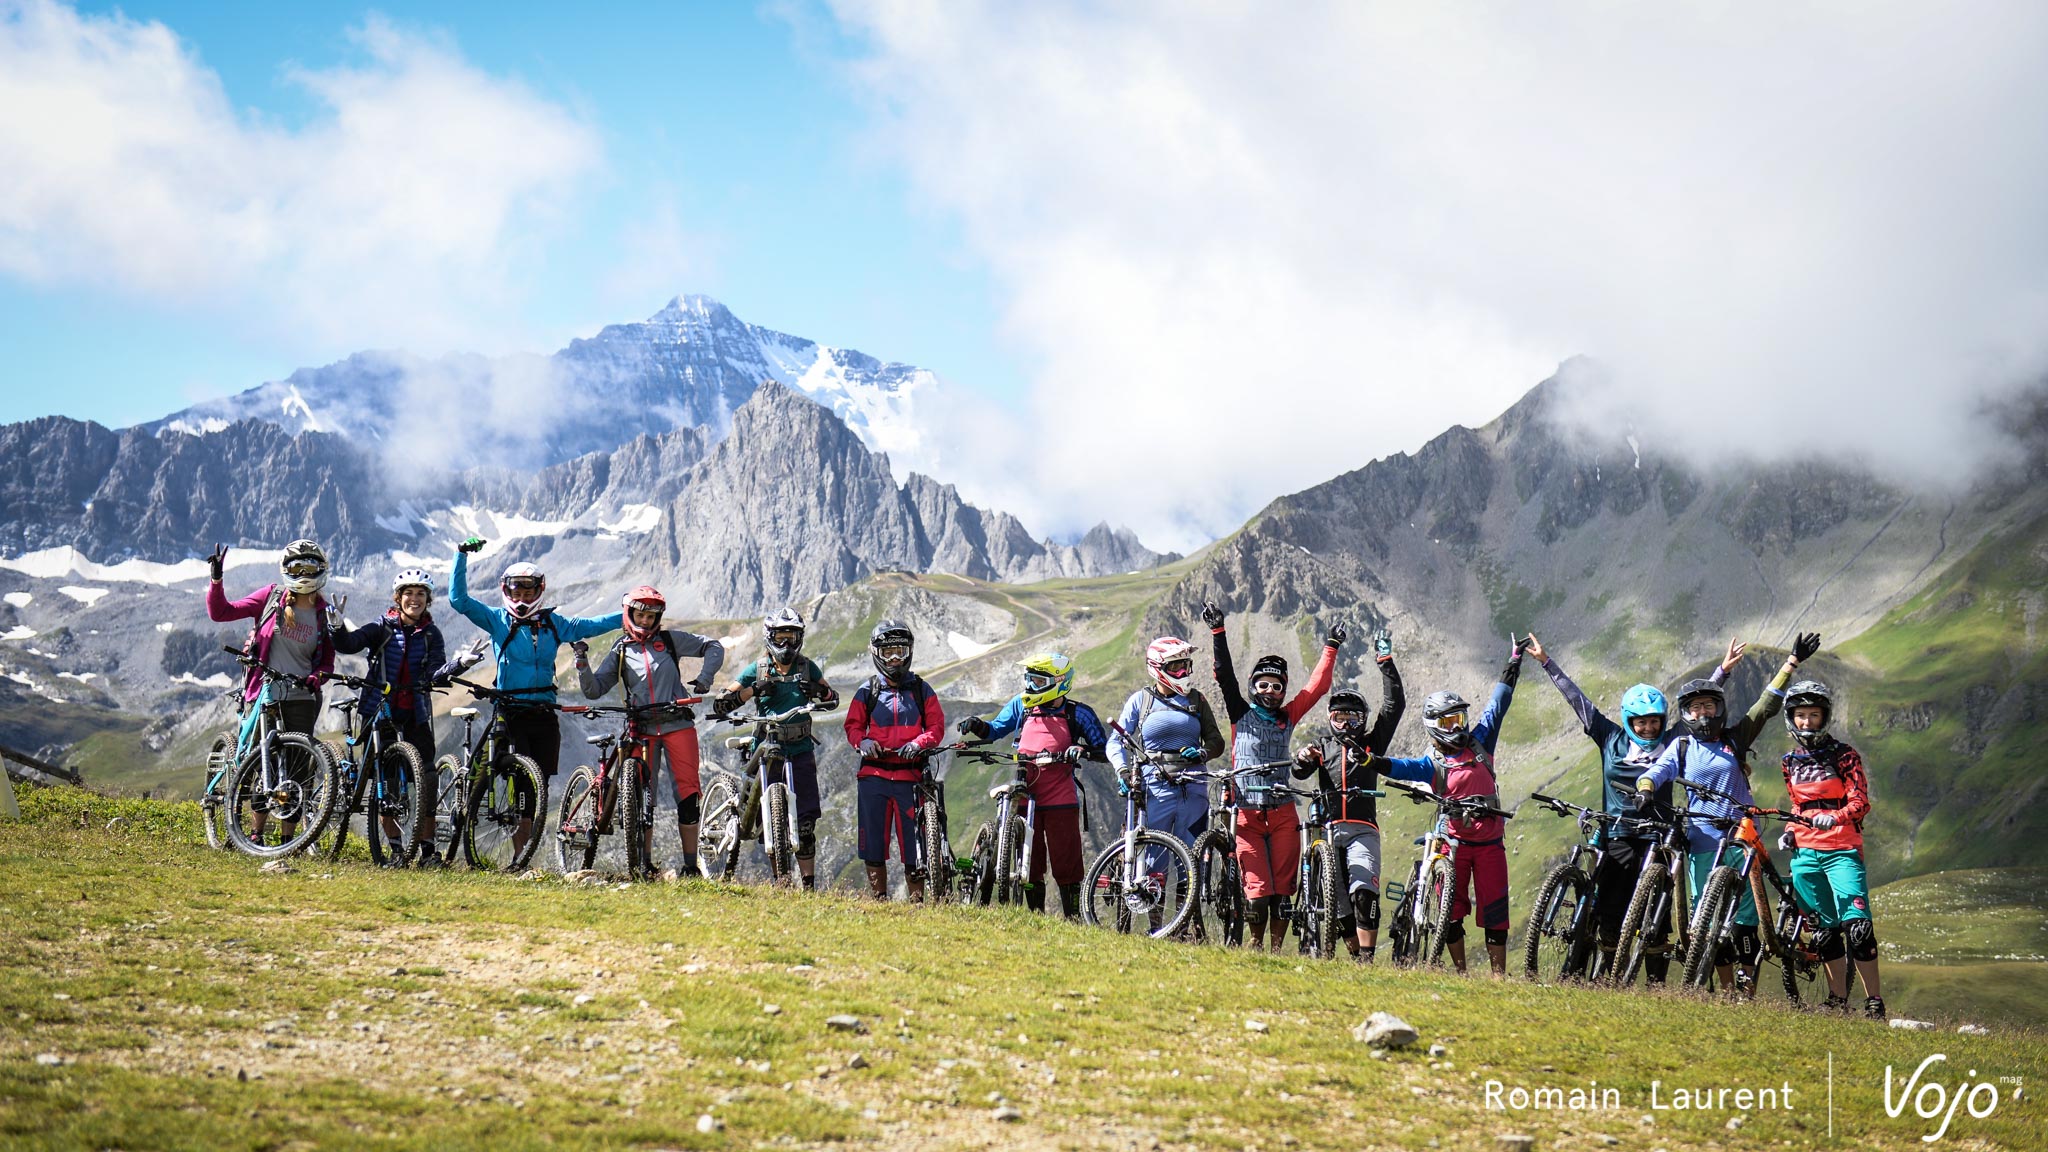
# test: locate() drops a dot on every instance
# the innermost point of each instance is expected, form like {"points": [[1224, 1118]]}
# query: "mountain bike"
{"points": [[504, 796], [1714, 919], [1422, 911], [1659, 894], [761, 795], [942, 869], [282, 790], [1793, 935], [1562, 940], [1219, 882], [392, 801], [1143, 873], [1002, 855], [1324, 891], [619, 790]]}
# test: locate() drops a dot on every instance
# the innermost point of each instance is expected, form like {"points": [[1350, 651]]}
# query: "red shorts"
{"points": [[679, 751], [1482, 872], [1269, 850], [1057, 841]]}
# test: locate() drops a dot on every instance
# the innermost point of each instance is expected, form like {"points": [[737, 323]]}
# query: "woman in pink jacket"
{"points": [[290, 634]]}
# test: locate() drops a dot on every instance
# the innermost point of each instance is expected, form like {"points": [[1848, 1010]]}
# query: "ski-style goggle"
{"points": [[304, 569], [894, 653], [786, 637], [1269, 684], [646, 606], [522, 584], [1039, 681], [1448, 722], [1176, 669]]}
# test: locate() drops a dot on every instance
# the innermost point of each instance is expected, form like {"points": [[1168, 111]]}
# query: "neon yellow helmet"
{"points": [[1047, 677]]}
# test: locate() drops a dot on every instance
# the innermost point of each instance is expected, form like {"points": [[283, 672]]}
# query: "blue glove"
{"points": [[1192, 755], [1383, 645]]}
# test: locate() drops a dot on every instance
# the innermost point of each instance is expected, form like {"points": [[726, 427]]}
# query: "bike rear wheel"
{"points": [[775, 833], [1322, 902], [577, 821], [1009, 886], [719, 848], [220, 765], [1551, 950], [1716, 911], [1159, 902], [1221, 890], [1437, 894], [446, 805], [1639, 926], [401, 804], [500, 832], [273, 818], [351, 785], [980, 881]]}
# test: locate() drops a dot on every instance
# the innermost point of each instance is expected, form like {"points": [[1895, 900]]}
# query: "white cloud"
{"points": [[401, 213], [1252, 247]]}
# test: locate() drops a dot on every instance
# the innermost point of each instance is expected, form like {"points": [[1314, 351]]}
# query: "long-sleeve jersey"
{"points": [[1260, 735], [1622, 760], [254, 607], [1466, 772], [905, 718], [1829, 778], [1163, 725], [1348, 769], [1051, 728], [653, 673], [526, 649], [1717, 764]]}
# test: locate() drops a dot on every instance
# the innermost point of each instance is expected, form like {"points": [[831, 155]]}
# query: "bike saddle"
{"points": [[738, 742], [604, 741], [997, 792], [464, 713], [1420, 839]]}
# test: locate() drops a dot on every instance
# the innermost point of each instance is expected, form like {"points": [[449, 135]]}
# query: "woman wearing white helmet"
{"points": [[408, 655], [1174, 724]]}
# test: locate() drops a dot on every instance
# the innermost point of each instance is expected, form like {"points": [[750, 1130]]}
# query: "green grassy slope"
{"points": [[219, 1007]]}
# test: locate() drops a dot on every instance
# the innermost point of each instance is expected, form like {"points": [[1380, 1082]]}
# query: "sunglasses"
{"points": [[1269, 684]]}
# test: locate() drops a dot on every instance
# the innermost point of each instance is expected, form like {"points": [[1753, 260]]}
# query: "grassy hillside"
{"points": [[219, 1007]]}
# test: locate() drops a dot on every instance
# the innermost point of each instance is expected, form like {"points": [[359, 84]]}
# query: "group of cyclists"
{"points": [[1160, 749]]}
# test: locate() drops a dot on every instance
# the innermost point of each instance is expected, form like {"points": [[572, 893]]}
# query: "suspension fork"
{"points": [[1030, 839]]}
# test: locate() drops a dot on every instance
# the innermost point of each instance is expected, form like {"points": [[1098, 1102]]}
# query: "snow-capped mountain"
{"points": [[689, 365]]}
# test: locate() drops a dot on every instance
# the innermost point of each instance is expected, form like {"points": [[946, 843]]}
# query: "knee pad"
{"points": [[1496, 937], [687, 811], [1862, 940], [1748, 944], [806, 839], [1365, 909], [1455, 934], [1830, 945]]}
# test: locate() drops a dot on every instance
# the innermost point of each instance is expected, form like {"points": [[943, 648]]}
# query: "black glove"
{"points": [[1512, 670], [726, 703], [819, 691], [1337, 633], [582, 650], [1076, 753], [1640, 799], [1310, 756], [1804, 647], [973, 726], [216, 560], [696, 688], [473, 544], [1212, 615], [1785, 841]]}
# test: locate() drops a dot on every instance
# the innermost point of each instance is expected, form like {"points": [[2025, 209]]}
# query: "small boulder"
{"points": [[1911, 1025], [1385, 1030], [278, 868], [1973, 1030], [1515, 1142], [857, 1061], [1255, 1026], [771, 1009], [708, 1123], [845, 1024], [1007, 1114]]}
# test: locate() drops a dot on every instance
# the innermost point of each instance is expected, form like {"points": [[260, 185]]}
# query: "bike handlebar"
{"points": [[269, 673]]}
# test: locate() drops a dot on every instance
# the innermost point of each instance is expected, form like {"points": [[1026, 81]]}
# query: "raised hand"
{"points": [[1804, 647], [1383, 645], [334, 610], [217, 561], [582, 650], [1212, 615], [1336, 635], [1534, 647], [473, 544], [1736, 649]]}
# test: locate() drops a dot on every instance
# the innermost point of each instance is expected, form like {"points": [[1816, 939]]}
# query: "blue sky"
{"points": [[734, 121]]}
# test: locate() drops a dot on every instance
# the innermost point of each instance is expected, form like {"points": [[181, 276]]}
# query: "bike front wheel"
{"points": [[632, 779], [775, 836], [719, 848], [1322, 901], [1220, 890], [501, 822], [1716, 910], [1009, 886], [1153, 895], [351, 784], [220, 765], [1438, 892], [279, 812], [447, 802], [1641, 927], [938, 858], [1552, 950], [401, 805]]}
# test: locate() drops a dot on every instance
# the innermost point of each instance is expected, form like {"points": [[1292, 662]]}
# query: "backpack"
{"points": [[875, 684], [547, 616]]}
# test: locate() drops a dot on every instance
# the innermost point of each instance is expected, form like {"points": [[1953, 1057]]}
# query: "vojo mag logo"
{"points": [[1933, 1099]]}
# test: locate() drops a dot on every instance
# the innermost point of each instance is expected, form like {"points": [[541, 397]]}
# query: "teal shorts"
{"points": [[1831, 881], [1700, 865]]}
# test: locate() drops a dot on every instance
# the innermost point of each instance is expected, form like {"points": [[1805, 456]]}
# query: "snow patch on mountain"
{"points": [[85, 596], [56, 563]]}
